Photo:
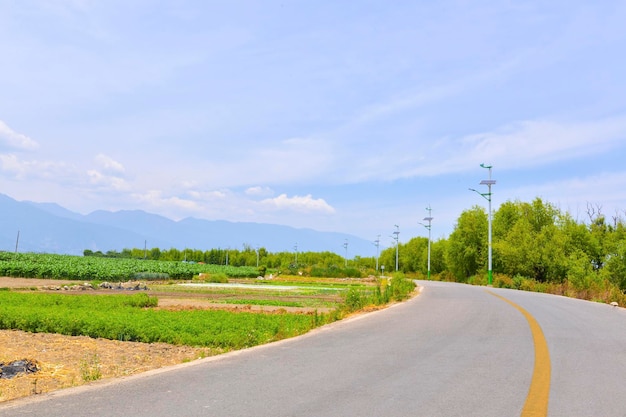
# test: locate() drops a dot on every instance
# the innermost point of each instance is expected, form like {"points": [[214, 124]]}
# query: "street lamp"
{"points": [[395, 237], [488, 182], [377, 243], [295, 247], [428, 219], [345, 245]]}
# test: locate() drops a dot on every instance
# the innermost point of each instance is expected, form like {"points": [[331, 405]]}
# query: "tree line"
{"points": [[313, 263], [531, 241], [535, 241]]}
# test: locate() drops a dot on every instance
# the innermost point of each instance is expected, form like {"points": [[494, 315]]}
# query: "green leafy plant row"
{"points": [[35, 265], [130, 318]]}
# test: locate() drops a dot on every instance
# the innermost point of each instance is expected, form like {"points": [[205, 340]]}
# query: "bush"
{"points": [[262, 271], [216, 277], [354, 300], [400, 287]]}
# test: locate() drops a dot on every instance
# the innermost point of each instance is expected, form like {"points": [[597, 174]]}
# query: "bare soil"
{"points": [[67, 361]]}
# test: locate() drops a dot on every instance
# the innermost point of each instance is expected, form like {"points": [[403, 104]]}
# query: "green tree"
{"points": [[467, 244], [414, 255]]}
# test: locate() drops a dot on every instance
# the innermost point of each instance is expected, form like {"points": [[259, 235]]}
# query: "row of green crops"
{"points": [[35, 265], [125, 317]]}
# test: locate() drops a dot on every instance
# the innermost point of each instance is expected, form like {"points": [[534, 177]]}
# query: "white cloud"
{"points": [[15, 140], [541, 142], [108, 182], [109, 165], [156, 199], [525, 144], [109, 175], [574, 194], [259, 191], [297, 203], [209, 195], [34, 169]]}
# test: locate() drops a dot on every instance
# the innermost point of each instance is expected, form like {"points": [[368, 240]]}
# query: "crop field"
{"points": [[186, 307], [54, 312], [131, 318], [203, 315], [51, 266]]}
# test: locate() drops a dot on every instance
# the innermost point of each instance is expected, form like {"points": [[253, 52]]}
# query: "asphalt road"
{"points": [[455, 350]]}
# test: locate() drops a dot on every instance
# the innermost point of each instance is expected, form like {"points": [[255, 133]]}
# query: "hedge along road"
{"points": [[455, 350]]}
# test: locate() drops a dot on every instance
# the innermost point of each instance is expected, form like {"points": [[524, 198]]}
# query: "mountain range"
{"points": [[49, 228]]}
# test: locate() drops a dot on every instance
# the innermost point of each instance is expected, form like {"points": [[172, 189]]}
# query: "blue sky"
{"points": [[348, 116]]}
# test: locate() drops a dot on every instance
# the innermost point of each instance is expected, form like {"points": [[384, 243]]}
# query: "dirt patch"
{"points": [[10, 282], [175, 303], [67, 361]]}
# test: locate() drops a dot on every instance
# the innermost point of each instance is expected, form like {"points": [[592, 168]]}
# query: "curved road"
{"points": [[455, 350]]}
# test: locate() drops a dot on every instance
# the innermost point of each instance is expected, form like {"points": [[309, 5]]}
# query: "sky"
{"points": [[346, 116]]}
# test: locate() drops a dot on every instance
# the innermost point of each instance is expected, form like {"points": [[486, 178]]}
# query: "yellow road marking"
{"points": [[539, 392]]}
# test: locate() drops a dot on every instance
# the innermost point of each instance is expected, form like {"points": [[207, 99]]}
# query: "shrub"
{"points": [[354, 300], [262, 271], [400, 287]]}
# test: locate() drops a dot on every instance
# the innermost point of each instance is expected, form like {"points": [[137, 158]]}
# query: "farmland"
{"points": [[130, 318], [51, 266], [94, 333]]}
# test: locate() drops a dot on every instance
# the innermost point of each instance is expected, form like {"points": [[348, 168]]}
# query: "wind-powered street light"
{"points": [[345, 259], [377, 243], [295, 247], [428, 219], [489, 182], [395, 237]]}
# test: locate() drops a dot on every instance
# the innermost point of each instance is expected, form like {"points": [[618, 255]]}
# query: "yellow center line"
{"points": [[539, 392]]}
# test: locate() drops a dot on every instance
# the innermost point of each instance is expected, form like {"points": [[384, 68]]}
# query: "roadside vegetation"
{"points": [[536, 247]]}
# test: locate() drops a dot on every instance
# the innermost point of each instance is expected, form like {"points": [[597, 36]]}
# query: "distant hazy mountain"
{"points": [[50, 228]]}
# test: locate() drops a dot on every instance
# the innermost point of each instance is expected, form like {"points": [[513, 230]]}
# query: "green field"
{"points": [[135, 317], [50, 266]]}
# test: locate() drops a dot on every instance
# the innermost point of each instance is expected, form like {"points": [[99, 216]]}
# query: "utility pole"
{"points": [[296, 249], [17, 241], [429, 219], [377, 243], [396, 233], [345, 245], [488, 182]]}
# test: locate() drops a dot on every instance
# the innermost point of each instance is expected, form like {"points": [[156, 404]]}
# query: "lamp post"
{"points": [[428, 219], [395, 237], [345, 259], [295, 247], [377, 243], [488, 182]]}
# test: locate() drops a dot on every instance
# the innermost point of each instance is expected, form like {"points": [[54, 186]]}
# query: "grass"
{"points": [[90, 368]]}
